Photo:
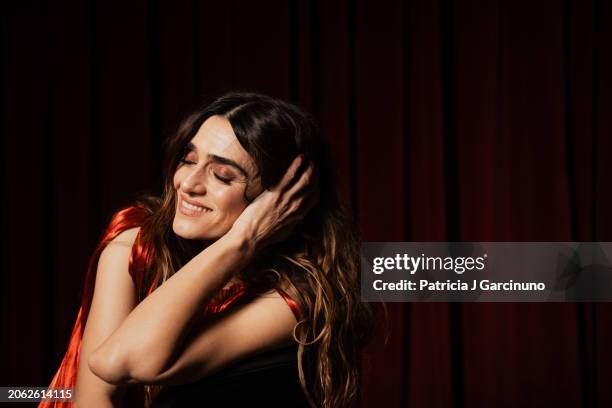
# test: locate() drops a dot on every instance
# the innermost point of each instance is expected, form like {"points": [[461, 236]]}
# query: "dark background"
{"points": [[449, 120]]}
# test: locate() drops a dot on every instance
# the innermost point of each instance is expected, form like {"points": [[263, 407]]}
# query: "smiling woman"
{"points": [[239, 285], [213, 158]]}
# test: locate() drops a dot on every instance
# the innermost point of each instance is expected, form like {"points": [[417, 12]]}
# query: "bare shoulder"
{"points": [[268, 304], [126, 238], [273, 300], [271, 296], [114, 259]]}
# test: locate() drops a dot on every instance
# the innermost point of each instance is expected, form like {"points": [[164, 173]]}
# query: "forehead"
{"points": [[216, 137]]}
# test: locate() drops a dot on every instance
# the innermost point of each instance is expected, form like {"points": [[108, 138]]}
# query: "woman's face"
{"points": [[210, 182]]}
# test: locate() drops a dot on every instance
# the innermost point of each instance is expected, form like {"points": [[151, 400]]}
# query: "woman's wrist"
{"points": [[241, 242]]}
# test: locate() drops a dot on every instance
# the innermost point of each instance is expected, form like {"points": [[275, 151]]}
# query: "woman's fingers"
{"points": [[301, 210], [297, 197], [304, 181], [289, 174], [305, 192]]}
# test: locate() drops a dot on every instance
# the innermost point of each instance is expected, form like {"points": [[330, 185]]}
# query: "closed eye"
{"points": [[222, 179]]}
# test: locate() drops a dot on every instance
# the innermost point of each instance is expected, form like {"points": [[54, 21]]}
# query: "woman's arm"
{"points": [[262, 324], [144, 343], [149, 340], [113, 299]]}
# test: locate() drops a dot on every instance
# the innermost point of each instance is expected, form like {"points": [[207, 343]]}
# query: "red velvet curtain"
{"points": [[449, 120]]}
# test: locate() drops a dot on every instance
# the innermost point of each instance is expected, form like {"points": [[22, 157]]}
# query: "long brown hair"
{"points": [[317, 266]]}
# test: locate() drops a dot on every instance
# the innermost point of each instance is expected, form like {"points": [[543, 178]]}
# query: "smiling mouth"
{"points": [[191, 209]]}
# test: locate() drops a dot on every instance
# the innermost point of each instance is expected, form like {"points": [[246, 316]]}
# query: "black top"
{"points": [[269, 379]]}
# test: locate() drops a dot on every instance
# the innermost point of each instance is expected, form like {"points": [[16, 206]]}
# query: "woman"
{"points": [[243, 276]]}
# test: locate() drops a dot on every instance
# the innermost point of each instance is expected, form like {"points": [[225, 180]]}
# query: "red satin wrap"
{"points": [[140, 260]]}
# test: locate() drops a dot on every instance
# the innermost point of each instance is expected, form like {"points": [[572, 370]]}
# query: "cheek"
{"points": [[229, 201], [176, 180]]}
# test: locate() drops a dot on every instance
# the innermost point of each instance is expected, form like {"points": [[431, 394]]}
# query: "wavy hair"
{"points": [[317, 265]]}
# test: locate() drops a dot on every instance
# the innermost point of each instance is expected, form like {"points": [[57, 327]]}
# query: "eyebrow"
{"points": [[219, 159]]}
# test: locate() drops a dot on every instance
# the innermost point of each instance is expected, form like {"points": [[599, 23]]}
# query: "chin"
{"points": [[187, 230]]}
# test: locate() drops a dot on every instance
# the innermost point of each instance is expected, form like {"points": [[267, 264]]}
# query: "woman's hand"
{"points": [[272, 216]]}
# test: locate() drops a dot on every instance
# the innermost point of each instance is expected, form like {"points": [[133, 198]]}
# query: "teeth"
{"points": [[194, 207]]}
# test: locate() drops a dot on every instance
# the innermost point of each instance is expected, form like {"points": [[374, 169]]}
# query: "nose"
{"points": [[194, 182]]}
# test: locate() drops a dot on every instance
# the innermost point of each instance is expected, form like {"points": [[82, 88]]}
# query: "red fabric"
{"points": [[140, 259]]}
